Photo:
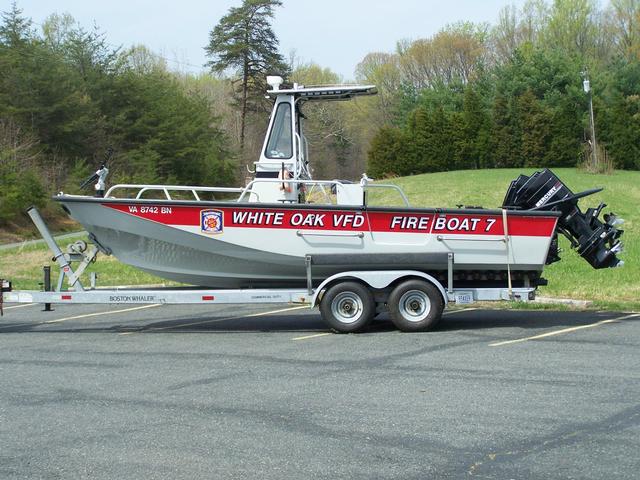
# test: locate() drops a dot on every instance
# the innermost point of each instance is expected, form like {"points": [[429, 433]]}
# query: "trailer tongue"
{"points": [[596, 241]]}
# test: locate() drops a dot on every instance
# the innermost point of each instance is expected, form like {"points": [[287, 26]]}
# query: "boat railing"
{"points": [[246, 192], [389, 186], [249, 188], [166, 189], [321, 184]]}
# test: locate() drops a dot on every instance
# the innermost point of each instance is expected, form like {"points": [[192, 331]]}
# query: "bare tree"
{"points": [[243, 40]]}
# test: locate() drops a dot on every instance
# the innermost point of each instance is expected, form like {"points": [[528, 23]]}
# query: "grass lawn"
{"points": [[572, 277]]}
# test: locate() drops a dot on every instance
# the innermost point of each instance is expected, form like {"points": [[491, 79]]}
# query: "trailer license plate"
{"points": [[464, 298]]}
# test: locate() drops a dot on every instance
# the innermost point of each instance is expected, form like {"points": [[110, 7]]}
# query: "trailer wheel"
{"points": [[347, 307], [415, 306]]}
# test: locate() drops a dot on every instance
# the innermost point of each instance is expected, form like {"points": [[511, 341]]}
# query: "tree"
{"points": [[86, 51], [625, 18], [453, 55], [621, 121], [162, 134], [475, 136], [573, 27], [244, 40], [518, 27], [15, 30], [381, 70], [325, 125], [536, 131], [40, 90], [505, 35], [388, 153], [506, 134], [20, 185]]}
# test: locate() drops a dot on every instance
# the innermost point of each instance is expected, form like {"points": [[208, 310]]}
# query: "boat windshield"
{"points": [[280, 143]]}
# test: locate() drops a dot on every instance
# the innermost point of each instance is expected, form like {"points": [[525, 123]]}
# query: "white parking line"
{"points": [[75, 317], [306, 337], [214, 320], [103, 313], [20, 306], [451, 312], [564, 330]]}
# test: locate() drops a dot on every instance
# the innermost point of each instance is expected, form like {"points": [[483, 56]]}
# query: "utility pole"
{"points": [[586, 85]]}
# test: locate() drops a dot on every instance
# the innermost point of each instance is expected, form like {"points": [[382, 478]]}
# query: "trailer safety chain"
{"points": [[506, 241]]}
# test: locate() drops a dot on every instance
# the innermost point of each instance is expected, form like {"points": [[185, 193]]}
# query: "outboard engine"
{"points": [[596, 241]]}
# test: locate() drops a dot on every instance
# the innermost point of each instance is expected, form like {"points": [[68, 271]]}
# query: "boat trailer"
{"points": [[347, 300]]}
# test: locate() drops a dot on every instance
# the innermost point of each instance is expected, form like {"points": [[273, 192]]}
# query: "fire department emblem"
{"points": [[211, 221]]}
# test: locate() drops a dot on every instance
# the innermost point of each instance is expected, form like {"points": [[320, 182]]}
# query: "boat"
{"points": [[287, 229]]}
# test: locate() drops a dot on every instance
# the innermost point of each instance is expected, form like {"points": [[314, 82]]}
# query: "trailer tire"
{"points": [[347, 307], [415, 306]]}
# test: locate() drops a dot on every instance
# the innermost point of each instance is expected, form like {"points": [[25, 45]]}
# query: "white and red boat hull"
{"points": [[233, 245]]}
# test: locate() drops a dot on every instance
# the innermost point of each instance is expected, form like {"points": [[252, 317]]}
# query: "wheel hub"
{"points": [[415, 305], [347, 307]]}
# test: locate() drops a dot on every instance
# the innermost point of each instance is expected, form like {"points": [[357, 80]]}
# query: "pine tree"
{"points": [[474, 122], [420, 130], [244, 40], [506, 141], [15, 30], [621, 121], [536, 130], [387, 153]]}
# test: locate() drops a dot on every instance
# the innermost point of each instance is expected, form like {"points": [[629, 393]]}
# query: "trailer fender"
{"points": [[378, 279]]}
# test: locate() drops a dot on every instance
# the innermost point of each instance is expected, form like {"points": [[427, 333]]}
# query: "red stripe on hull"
{"points": [[345, 220]]}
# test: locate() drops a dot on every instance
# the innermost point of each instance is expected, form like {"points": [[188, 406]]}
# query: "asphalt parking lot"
{"points": [[266, 392]]}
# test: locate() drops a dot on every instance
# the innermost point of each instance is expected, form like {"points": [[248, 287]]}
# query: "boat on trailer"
{"points": [[287, 230]]}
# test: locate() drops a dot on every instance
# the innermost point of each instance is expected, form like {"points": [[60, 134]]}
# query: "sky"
{"points": [[332, 33]]}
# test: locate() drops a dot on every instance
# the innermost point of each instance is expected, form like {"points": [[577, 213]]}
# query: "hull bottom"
{"points": [[244, 268]]}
